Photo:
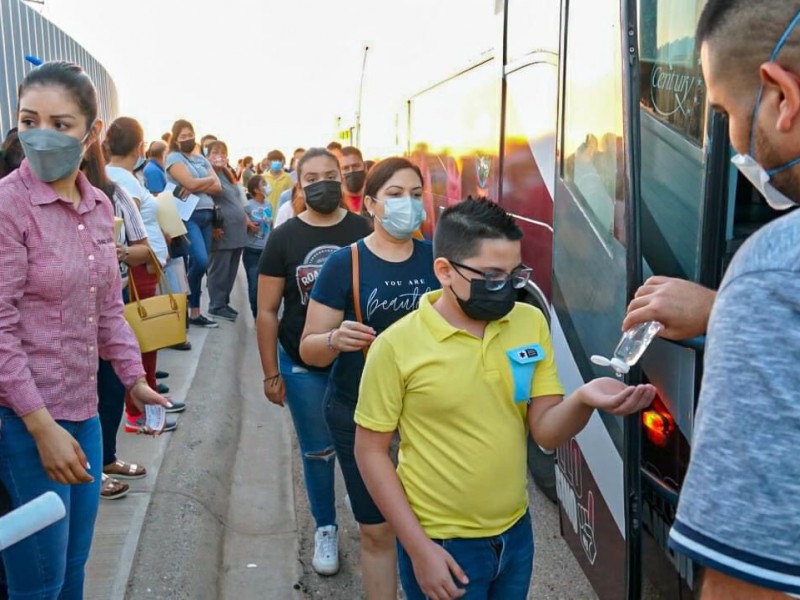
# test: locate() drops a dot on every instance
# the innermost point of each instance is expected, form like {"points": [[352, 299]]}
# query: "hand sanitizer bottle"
{"points": [[631, 347]]}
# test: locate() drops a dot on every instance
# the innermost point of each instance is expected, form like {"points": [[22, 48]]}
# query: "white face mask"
{"points": [[760, 178], [747, 165]]}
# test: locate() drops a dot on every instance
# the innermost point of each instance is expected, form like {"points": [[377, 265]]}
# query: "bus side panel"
{"points": [[587, 523]]}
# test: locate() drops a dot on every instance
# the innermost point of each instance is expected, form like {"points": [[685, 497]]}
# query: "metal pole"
{"points": [[360, 98]]}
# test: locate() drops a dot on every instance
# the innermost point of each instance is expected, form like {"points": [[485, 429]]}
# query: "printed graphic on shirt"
{"points": [[308, 271], [396, 296]]}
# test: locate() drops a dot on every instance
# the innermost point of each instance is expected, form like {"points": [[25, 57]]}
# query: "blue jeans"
{"points": [[305, 396], [498, 567], [198, 230], [49, 565], [110, 406], [250, 258]]}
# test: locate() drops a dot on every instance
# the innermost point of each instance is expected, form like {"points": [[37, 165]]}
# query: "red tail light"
{"points": [[658, 423]]}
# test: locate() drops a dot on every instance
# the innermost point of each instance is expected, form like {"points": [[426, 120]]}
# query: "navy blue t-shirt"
{"points": [[388, 292]]}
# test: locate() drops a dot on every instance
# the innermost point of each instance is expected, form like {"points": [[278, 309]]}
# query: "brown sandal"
{"points": [[112, 489], [122, 470]]}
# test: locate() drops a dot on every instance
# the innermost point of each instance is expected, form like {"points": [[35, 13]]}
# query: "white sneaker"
{"points": [[326, 551]]}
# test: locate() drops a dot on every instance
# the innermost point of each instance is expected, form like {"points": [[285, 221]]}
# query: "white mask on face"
{"points": [[749, 166], [760, 178]]}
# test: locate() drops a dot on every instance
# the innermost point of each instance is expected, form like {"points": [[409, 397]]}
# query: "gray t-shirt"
{"points": [[199, 167], [739, 511], [234, 220], [259, 213]]}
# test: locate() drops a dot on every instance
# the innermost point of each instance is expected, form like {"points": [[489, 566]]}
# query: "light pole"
{"points": [[360, 98]]}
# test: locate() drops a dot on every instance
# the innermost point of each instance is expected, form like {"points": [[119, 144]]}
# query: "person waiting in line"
{"points": [[294, 254], [355, 177], [230, 236], [478, 376], [296, 156], [368, 164], [278, 179], [293, 207], [132, 249], [11, 153], [155, 173], [335, 148], [259, 224], [247, 170], [394, 271], [58, 257], [205, 142], [196, 175], [125, 146]]}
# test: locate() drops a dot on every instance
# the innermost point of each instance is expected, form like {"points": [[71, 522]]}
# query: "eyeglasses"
{"points": [[496, 280]]}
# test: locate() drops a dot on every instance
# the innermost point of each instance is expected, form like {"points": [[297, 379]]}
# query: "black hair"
{"points": [[314, 153], [156, 150], [11, 153], [177, 127], [463, 226], [123, 136], [276, 155], [384, 171], [713, 16], [253, 184], [79, 86]]}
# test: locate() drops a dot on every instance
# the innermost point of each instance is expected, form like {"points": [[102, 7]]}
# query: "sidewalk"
{"points": [[119, 522], [215, 516]]}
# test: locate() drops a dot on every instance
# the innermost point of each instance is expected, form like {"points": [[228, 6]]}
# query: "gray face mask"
{"points": [[52, 155]]}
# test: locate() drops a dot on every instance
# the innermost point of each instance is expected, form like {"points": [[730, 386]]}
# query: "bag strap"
{"points": [[160, 277], [357, 288]]}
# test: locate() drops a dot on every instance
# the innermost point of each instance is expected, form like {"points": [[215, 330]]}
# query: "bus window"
{"points": [[673, 102], [589, 257]]}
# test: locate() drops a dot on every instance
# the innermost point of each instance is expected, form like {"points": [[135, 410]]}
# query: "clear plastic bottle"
{"points": [[630, 348]]}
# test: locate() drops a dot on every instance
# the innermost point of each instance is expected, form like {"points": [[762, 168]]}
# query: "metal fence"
{"points": [[23, 31]]}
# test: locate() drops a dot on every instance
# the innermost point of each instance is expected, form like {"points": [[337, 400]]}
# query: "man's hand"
{"points": [[141, 394], [434, 569], [615, 397], [681, 306], [218, 233], [253, 227]]}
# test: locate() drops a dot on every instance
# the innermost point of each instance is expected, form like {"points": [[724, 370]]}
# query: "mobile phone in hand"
{"points": [[180, 192]]}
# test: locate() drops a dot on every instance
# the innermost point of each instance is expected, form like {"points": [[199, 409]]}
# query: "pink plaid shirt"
{"points": [[60, 299]]}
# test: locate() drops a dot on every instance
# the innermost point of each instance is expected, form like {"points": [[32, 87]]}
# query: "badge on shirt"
{"points": [[523, 365]]}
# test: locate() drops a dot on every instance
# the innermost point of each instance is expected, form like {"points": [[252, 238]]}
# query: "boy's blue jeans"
{"points": [[305, 397], [49, 565], [498, 567]]}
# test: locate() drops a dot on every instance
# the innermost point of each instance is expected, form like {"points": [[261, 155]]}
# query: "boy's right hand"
{"points": [[435, 570]]}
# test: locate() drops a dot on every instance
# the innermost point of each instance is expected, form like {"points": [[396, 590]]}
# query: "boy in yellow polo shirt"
{"points": [[464, 378]]}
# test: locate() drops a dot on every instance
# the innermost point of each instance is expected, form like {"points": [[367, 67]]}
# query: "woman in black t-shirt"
{"points": [[292, 258]]}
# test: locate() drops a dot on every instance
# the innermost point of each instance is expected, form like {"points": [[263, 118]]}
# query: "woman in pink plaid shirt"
{"points": [[60, 309]]}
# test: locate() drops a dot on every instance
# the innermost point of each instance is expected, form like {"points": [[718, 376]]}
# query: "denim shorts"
{"points": [[339, 416]]}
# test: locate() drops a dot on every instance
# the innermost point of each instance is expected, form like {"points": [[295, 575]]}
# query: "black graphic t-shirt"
{"points": [[296, 251], [388, 292]]}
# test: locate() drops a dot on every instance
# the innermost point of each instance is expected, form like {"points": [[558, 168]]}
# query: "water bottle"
{"points": [[630, 348], [258, 217]]}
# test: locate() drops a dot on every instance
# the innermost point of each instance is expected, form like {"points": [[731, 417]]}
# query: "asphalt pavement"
{"points": [[222, 513]]}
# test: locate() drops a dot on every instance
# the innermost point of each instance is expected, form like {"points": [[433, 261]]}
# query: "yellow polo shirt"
{"points": [[279, 184], [453, 396]]}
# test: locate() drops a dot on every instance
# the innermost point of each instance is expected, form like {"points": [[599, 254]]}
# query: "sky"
{"points": [[262, 74]]}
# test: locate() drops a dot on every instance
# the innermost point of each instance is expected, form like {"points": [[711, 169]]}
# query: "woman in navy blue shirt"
{"points": [[394, 271]]}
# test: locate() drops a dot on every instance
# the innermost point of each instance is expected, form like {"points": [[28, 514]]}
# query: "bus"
{"points": [[588, 122]]}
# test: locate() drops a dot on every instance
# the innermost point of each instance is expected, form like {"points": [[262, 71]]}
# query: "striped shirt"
{"points": [[60, 299]]}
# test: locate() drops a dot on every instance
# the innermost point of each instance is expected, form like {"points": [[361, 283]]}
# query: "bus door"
{"points": [[590, 281]]}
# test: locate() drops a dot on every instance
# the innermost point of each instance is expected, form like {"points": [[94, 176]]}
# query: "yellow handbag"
{"points": [[158, 322]]}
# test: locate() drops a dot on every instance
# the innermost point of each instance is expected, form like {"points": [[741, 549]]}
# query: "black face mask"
{"points": [[324, 196], [355, 181], [186, 146], [484, 305]]}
